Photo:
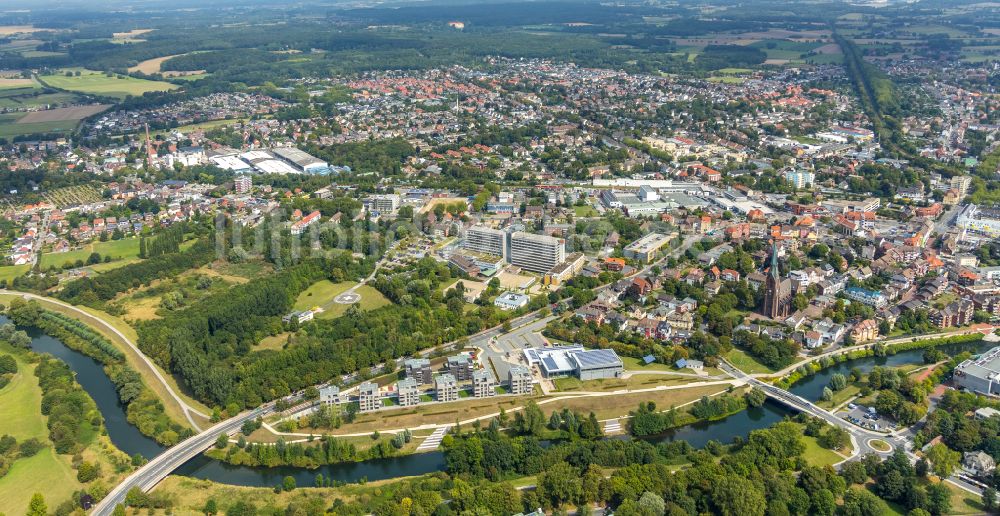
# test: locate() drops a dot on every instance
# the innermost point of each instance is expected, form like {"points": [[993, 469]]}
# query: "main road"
{"points": [[146, 477]]}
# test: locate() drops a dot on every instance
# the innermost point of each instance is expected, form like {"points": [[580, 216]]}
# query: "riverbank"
{"points": [[54, 475], [144, 410], [818, 364], [120, 334]]}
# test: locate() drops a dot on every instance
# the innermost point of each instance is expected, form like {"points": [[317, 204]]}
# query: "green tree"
{"points": [[37, 507], [288, 484], [211, 508], [944, 460], [561, 483], [737, 496], [824, 503], [222, 441], [989, 499], [652, 503]]}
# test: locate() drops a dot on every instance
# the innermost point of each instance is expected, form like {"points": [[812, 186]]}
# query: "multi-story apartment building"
{"points": [[419, 369], [368, 397], [520, 380], [446, 388], [483, 384], [408, 392]]}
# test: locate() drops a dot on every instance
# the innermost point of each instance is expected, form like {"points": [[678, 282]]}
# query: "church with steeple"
{"points": [[777, 290]]}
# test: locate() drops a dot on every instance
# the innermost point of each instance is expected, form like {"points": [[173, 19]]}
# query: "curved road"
{"points": [[187, 409]]}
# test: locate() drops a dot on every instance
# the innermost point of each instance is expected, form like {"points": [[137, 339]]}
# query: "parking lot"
{"points": [[861, 415]]}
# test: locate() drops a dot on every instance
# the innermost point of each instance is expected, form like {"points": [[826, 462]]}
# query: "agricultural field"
{"points": [[44, 121], [132, 36], [155, 65], [11, 83], [99, 83], [10, 127], [72, 196]]}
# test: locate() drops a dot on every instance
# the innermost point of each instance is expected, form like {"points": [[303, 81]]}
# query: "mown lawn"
{"points": [[746, 363], [9, 272]]}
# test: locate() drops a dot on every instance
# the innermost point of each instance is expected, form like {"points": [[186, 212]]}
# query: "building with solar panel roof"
{"points": [[575, 360]]}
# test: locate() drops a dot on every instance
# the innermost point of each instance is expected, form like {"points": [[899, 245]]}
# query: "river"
{"points": [[90, 375]]}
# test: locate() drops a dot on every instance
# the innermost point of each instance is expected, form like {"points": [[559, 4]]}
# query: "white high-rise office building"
{"points": [[536, 253], [485, 240]]}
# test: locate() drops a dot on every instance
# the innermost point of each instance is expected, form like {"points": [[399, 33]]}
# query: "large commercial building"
{"points": [[981, 374], [408, 392], [646, 248], [368, 397], [519, 380], [483, 384], [485, 240], [977, 220], [587, 364], [303, 161], [536, 253]]}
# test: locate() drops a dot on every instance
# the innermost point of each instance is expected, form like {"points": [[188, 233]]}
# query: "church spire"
{"points": [[774, 259]]}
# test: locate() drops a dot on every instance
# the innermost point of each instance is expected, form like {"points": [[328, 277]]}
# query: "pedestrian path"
{"points": [[612, 426], [433, 441]]}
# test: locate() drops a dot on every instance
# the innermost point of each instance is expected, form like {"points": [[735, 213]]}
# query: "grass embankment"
{"points": [[97, 320], [746, 363]]}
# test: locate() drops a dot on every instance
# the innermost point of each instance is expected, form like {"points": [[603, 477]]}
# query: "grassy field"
{"points": [[746, 363], [10, 127], [322, 293], [97, 83], [585, 211], [117, 249], [9, 272], [636, 364], [21, 417]]}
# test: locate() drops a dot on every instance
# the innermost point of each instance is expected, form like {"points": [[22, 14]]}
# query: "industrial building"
{"points": [[303, 161], [981, 374], [536, 253], [485, 240], [646, 248], [483, 384], [368, 397], [408, 393]]}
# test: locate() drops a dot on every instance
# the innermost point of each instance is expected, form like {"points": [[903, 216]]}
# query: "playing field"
{"points": [[98, 83]]}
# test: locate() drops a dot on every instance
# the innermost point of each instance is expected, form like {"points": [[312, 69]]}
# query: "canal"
{"points": [[90, 375]]}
